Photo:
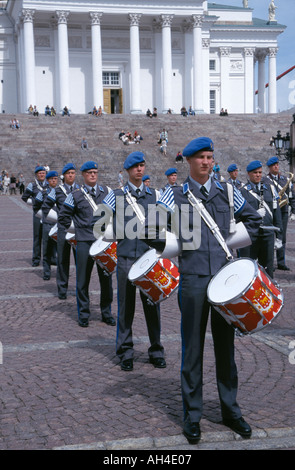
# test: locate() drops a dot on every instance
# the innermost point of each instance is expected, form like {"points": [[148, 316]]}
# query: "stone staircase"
{"points": [[57, 140]]}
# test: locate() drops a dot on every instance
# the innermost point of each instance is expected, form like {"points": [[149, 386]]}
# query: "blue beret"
{"points": [[201, 143], [133, 159], [254, 165], [39, 168], [232, 167], [89, 166], [67, 167], [170, 171], [146, 177], [51, 174], [272, 161]]}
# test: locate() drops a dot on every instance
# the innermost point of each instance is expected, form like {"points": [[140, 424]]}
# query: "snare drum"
{"points": [[244, 294], [105, 254], [156, 277], [70, 238], [53, 232]]}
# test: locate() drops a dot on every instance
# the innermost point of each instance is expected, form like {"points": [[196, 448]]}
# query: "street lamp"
{"points": [[284, 149]]}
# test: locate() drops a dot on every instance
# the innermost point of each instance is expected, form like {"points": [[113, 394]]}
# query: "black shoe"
{"points": [[192, 432], [83, 323], [62, 296], [283, 267], [127, 364], [158, 362], [35, 264], [46, 278], [239, 426], [109, 321]]}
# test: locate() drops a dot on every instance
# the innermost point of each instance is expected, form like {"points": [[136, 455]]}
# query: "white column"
{"points": [[97, 85], [198, 64], [206, 75], [224, 77], [134, 19], [63, 58], [249, 80], [188, 65], [272, 80], [166, 21], [157, 78], [261, 55], [29, 52]]}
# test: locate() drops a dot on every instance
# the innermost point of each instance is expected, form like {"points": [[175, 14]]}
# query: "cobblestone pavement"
{"points": [[62, 388]]}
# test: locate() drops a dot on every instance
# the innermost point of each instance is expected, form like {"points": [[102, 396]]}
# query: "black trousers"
{"points": [[194, 307], [84, 266], [49, 249], [63, 262], [280, 254], [126, 311], [37, 239]]}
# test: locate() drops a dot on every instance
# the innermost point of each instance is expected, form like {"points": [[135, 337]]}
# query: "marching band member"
{"points": [[233, 175], [171, 174], [198, 263], [55, 200], [128, 251], [261, 196], [146, 180], [49, 245], [285, 186], [78, 206], [29, 195]]}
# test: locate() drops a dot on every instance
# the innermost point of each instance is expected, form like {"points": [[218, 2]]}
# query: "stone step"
{"points": [[56, 140]]}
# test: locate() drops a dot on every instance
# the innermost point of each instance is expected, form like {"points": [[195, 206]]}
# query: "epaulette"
{"points": [[218, 184], [185, 188]]}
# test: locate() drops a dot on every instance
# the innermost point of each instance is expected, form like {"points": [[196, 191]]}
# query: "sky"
{"points": [[285, 15]]}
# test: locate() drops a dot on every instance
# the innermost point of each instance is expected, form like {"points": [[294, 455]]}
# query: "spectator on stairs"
{"points": [[66, 111]]}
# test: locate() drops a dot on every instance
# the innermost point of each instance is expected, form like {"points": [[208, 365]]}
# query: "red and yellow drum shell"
{"points": [[106, 258], [256, 307], [160, 281]]}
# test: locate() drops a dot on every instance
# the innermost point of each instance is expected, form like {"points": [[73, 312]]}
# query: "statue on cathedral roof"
{"points": [[272, 11]]}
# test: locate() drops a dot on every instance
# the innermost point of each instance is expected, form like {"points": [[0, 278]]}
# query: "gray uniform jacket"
{"points": [[132, 248], [33, 189], [56, 198], [273, 215], [77, 208], [209, 257]]}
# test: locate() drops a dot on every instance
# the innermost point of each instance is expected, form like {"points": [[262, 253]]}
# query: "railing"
{"points": [[279, 77]]}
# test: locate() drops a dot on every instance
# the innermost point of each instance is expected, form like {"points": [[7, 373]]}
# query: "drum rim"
{"points": [[240, 293], [148, 270], [99, 240], [69, 235]]}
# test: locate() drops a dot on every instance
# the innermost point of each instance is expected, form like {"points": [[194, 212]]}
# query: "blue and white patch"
{"points": [[110, 200], [69, 201], [239, 200], [52, 195], [167, 200], [39, 197], [30, 187]]}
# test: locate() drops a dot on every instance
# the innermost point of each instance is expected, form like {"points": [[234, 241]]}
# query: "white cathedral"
{"points": [[131, 55]]}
